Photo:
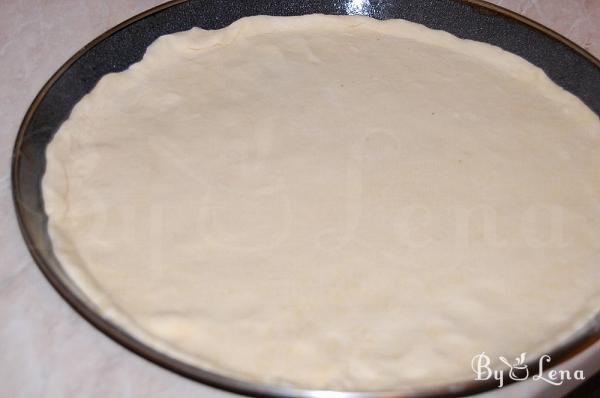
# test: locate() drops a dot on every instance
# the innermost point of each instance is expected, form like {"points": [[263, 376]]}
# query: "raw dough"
{"points": [[331, 202]]}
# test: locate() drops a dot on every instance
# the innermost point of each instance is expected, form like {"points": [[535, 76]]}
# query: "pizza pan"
{"points": [[565, 63]]}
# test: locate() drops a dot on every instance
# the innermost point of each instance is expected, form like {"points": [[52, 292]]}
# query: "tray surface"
{"points": [[567, 64]]}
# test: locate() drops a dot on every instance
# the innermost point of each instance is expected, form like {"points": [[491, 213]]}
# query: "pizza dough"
{"points": [[331, 202]]}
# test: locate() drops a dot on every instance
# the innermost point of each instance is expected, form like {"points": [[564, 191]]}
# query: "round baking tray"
{"points": [[565, 63]]}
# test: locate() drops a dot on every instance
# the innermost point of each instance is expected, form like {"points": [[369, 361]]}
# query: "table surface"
{"points": [[46, 349]]}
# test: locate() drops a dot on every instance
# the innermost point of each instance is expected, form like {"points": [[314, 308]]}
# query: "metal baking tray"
{"points": [[565, 63]]}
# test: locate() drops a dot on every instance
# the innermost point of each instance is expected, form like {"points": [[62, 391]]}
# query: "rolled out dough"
{"points": [[331, 202]]}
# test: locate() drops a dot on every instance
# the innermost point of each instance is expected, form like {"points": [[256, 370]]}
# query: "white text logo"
{"points": [[518, 370]]}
